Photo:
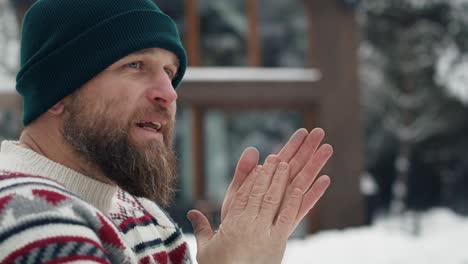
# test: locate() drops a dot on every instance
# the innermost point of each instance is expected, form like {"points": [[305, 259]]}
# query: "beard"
{"points": [[104, 143]]}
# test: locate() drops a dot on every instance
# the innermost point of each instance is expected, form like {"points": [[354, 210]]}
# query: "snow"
{"points": [[451, 73], [7, 85], [443, 239]]}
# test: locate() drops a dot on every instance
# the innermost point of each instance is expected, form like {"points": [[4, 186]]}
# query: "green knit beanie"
{"points": [[65, 43]]}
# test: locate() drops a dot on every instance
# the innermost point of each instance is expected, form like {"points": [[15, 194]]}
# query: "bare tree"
{"points": [[414, 83]]}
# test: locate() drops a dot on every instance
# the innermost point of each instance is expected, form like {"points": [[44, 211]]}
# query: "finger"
{"points": [[247, 162], [274, 196], [312, 196], [260, 187], [287, 216], [241, 197], [307, 149], [307, 175], [201, 227], [293, 145]]}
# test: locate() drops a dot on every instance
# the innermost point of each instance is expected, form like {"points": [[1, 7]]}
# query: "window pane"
{"points": [[283, 28], [223, 29], [183, 148], [227, 134]]}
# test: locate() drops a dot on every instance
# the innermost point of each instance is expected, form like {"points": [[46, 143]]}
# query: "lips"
{"points": [[150, 125]]}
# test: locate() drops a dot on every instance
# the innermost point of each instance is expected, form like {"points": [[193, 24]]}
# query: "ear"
{"points": [[58, 108]]}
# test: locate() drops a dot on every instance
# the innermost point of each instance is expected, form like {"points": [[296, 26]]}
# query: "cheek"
{"points": [[112, 111], [173, 110], [112, 97]]}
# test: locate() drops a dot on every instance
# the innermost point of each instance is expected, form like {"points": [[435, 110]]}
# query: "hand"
{"points": [[264, 205], [301, 147]]}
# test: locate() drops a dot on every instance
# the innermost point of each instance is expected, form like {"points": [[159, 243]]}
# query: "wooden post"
{"points": [[192, 34], [21, 7], [192, 40], [313, 217], [333, 50], [253, 41]]}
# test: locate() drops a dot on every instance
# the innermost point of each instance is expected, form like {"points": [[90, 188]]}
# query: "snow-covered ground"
{"points": [[443, 239]]}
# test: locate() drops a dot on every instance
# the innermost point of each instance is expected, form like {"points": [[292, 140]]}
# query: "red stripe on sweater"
{"points": [[161, 257], [50, 196], [108, 234], [44, 242], [76, 258], [133, 220], [4, 201], [145, 260], [178, 254], [8, 175]]}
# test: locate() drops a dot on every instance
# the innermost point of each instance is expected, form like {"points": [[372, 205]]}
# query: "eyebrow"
{"points": [[175, 61]]}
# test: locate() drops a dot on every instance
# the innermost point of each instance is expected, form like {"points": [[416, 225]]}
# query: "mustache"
{"points": [[163, 112], [156, 109]]}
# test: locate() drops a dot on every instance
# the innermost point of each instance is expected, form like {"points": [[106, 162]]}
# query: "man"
{"points": [[98, 79]]}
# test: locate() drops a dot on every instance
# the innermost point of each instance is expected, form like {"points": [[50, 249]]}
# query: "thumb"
{"points": [[201, 227]]}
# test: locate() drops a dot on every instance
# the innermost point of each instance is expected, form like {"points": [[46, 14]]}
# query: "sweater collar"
{"points": [[14, 158]]}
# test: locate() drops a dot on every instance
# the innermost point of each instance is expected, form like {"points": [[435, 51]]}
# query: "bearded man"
{"points": [[95, 162]]}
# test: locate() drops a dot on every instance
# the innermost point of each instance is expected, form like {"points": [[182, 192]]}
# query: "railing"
{"points": [[241, 89]]}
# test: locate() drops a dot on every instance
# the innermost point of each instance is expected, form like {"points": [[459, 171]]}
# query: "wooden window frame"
{"points": [[240, 89]]}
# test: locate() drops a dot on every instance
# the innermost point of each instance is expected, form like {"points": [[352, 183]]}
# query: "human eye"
{"points": [[134, 65], [171, 73]]}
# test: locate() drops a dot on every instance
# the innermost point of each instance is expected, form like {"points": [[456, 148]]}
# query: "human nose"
{"points": [[162, 91]]}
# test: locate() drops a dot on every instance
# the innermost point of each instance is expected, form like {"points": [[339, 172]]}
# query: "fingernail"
{"points": [[189, 216], [302, 132], [251, 152], [318, 131], [328, 149]]}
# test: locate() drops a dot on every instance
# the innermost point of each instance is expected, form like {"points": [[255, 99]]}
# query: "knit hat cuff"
{"points": [[90, 53]]}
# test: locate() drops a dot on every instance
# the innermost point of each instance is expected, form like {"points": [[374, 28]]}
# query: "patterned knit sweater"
{"points": [[52, 214]]}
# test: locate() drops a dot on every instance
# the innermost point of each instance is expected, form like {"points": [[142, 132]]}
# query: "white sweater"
{"points": [[49, 212]]}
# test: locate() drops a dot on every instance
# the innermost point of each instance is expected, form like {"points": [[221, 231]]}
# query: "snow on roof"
{"points": [[252, 74]]}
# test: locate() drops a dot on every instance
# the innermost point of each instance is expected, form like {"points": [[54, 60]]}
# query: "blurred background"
{"points": [[386, 79]]}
